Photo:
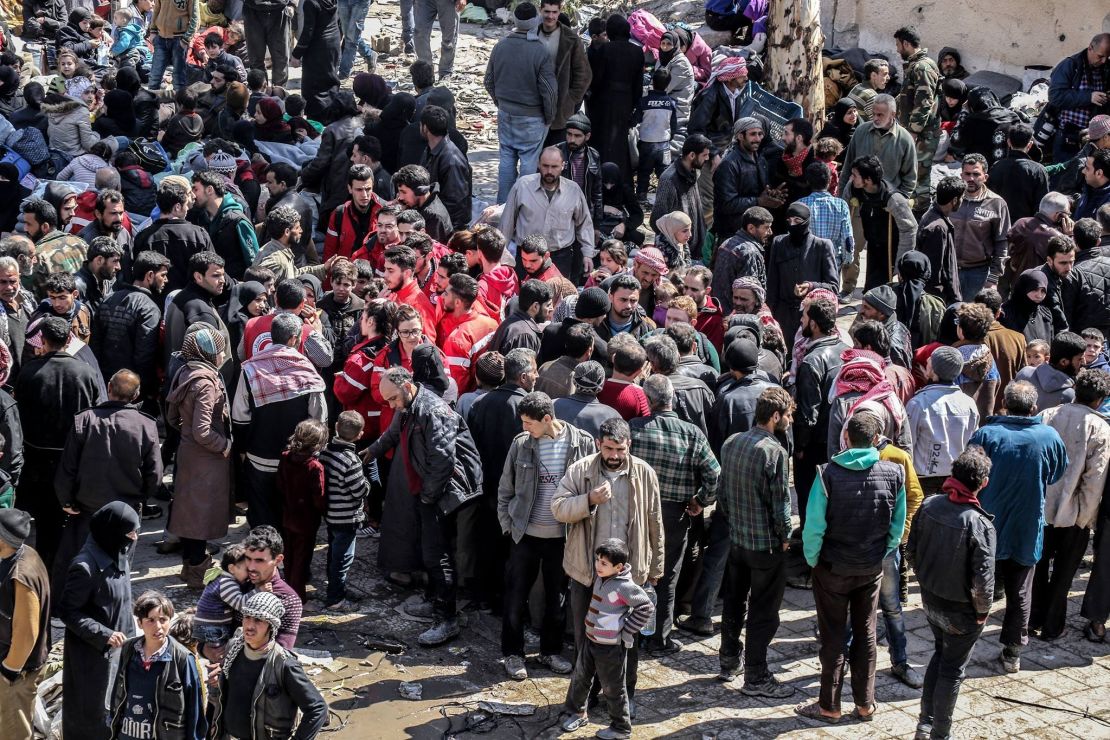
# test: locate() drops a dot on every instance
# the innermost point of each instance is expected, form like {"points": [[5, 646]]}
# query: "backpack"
{"points": [[31, 145], [152, 157], [930, 310]]}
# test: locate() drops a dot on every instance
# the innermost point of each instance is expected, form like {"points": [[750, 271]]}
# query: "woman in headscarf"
{"points": [[396, 115], [683, 84], [1025, 312], [197, 405], [672, 238], [9, 91], [371, 89], [697, 51], [619, 81], [246, 301], [119, 115], [842, 122], [95, 605], [621, 212], [74, 36], [914, 272], [31, 113]]}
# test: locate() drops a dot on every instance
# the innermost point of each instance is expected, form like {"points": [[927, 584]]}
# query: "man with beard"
{"points": [[678, 186], [387, 234], [97, 276], [790, 169], [610, 494], [209, 104], [18, 306], [919, 104], [1063, 283], [882, 210], [469, 328], [108, 221], [885, 138], [625, 313], [534, 260], [401, 286], [531, 207], [416, 190], [55, 250], [521, 328], [799, 262], [582, 163], [981, 224], [648, 266], [742, 180], [743, 254], [710, 322], [281, 183]]}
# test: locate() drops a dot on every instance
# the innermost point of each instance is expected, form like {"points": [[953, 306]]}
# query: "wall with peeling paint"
{"points": [[998, 35]]}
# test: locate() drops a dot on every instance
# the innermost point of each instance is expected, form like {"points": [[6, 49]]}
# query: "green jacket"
{"points": [[917, 106]]}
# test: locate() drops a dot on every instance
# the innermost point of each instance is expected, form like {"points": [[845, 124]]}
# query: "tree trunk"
{"points": [[794, 42]]}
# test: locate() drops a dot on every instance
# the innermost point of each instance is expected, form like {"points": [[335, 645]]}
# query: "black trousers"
{"points": [[1060, 558], [676, 530], [569, 262], [268, 30], [438, 557], [1096, 602], [805, 472], [579, 604], [955, 633], [528, 558], [754, 583], [607, 663], [839, 598], [36, 496], [1017, 583], [264, 504]]}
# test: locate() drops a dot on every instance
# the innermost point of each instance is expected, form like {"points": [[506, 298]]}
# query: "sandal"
{"points": [[865, 717], [1095, 632], [813, 711]]}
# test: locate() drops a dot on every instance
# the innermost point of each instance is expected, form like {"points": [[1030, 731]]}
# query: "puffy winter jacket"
{"points": [[450, 169], [178, 240], [353, 385], [82, 168], [140, 192], [125, 334], [942, 419], [341, 237], [69, 127]]}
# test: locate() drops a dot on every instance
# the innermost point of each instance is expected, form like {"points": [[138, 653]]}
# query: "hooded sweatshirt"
{"points": [[496, 287]]}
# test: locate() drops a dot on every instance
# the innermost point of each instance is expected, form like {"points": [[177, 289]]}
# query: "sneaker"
{"points": [[557, 664], [611, 734], [170, 543], [151, 511], [923, 732], [728, 675], [572, 722], [907, 675], [702, 626], [371, 60], [769, 686], [1010, 663], [514, 666], [368, 531], [420, 610], [439, 633]]}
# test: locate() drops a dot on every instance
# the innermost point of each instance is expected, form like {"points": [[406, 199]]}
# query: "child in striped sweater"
{"points": [[223, 597], [619, 609], [345, 487]]}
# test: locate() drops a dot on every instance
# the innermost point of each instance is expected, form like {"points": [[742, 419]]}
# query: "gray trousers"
{"points": [[426, 12], [268, 30]]}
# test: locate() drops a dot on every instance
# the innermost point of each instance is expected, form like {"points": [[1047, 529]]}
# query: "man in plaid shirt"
{"points": [[756, 501], [680, 455], [830, 218]]}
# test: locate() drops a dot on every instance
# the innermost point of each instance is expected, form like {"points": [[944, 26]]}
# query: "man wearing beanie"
{"points": [[581, 408], [259, 665], [737, 396], [942, 419], [581, 162], [592, 307], [799, 262], [881, 304], [24, 623], [520, 77]]}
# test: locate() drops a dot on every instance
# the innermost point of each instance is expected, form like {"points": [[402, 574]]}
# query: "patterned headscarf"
{"points": [[752, 284], [730, 68], [653, 258], [203, 345]]}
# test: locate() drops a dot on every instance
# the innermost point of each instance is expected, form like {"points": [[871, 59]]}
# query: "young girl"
{"points": [[300, 481]]}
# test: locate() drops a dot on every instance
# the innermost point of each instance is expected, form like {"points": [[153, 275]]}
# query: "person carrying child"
{"points": [[226, 589]]}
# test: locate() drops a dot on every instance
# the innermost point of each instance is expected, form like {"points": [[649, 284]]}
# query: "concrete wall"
{"points": [[997, 35]]}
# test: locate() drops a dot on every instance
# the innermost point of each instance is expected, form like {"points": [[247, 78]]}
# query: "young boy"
{"points": [[1094, 357], [345, 487], [222, 599], [364, 280], [656, 121], [619, 610], [64, 300], [343, 308], [1036, 353]]}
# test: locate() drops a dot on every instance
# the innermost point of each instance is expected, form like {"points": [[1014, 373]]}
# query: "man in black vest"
{"points": [[855, 518]]}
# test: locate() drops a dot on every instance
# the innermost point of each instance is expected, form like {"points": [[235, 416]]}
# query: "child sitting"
{"points": [[183, 127], [346, 486], [269, 122], [129, 49], [619, 609], [300, 484], [222, 598], [216, 55]]}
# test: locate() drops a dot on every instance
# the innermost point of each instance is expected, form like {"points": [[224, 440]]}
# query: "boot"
{"points": [[170, 543], [193, 575]]}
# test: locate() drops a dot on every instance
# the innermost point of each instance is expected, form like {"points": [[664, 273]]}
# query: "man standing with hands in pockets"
{"points": [[609, 494]]}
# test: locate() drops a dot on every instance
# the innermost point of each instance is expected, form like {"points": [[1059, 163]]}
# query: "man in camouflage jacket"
{"points": [[917, 109]]}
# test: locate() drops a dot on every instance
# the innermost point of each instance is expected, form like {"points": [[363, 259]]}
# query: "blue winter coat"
{"points": [[1027, 456]]}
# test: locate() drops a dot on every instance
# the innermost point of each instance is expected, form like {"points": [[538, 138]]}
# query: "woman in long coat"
{"points": [[619, 81], [317, 52], [96, 609], [197, 405]]}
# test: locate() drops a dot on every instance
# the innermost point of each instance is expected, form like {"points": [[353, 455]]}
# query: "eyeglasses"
{"points": [[409, 332]]}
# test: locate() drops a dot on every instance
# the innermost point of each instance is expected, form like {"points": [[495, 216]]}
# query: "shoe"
{"points": [[343, 606], [923, 731], [769, 687], [907, 675], [169, 544], [800, 582], [728, 675], [572, 722], [557, 664], [861, 717], [163, 493], [659, 648], [610, 734], [368, 531], [702, 626], [371, 60], [1049, 637], [1010, 663], [445, 77], [420, 610], [1095, 632], [846, 295], [151, 511], [193, 575], [410, 48], [514, 666], [440, 632]]}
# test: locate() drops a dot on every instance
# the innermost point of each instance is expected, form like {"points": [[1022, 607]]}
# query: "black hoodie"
{"points": [[960, 72]]}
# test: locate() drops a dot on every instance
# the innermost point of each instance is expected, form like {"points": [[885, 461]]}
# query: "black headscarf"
{"points": [[109, 527], [76, 16], [618, 28], [610, 174], [127, 79], [1017, 311], [118, 106], [836, 127], [665, 57], [396, 115], [242, 295], [915, 271], [946, 333]]}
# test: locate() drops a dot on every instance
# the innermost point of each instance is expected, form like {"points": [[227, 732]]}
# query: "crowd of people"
{"points": [[583, 407]]}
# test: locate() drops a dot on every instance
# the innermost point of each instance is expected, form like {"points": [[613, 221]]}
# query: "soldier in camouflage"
{"points": [[918, 106], [56, 250]]}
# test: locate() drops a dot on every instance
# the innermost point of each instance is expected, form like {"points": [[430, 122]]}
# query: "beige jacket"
{"points": [[278, 258], [571, 505], [1073, 500]]}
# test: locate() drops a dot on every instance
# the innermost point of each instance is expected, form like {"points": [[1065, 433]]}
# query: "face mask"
{"points": [[798, 232], [665, 57]]}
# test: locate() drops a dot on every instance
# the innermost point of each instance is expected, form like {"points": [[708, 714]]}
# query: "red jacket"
{"points": [[300, 481], [711, 322], [386, 358], [86, 213], [340, 237], [415, 297], [432, 262], [496, 287], [468, 339], [548, 272], [352, 385]]}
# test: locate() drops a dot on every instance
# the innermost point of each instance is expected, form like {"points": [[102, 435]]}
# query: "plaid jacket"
{"points": [[830, 218], [680, 455], [755, 493]]}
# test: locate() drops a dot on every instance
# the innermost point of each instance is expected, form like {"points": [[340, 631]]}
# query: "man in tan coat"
{"points": [[610, 494]]}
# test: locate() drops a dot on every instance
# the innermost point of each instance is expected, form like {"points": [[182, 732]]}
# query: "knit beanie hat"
{"points": [[742, 355], [15, 527], [526, 18], [579, 122], [267, 607], [947, 363], [224, 164], [882, 298], [593, 303], [491, 369], [589, 377], [270, 108], [1098, 127]]}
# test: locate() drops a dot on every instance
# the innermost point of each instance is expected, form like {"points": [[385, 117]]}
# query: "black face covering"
{"points": [[109, 528], [798, 232]]}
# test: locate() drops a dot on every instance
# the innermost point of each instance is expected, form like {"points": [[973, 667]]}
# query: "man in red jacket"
{"points": [[471, 332], [353, 223], [497, 283], [534, 260], [402, 287]]}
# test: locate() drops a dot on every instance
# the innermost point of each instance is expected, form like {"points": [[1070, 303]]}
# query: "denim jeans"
{"points": [[408, 22], [955, 633], [352, 20], [426, 12], [521, 141], [167, 52], [972, 280], [891, 604], [341, 553]]}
